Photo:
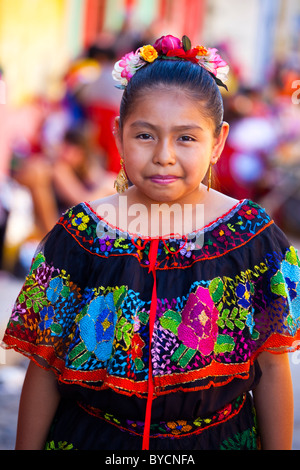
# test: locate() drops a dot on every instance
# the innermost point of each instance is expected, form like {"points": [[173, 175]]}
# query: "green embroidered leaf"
{"points": [[139, 363], [65, 292], [119, 296], [143, 317], [229, 324], [292, 257], [278, 284], [170, 321], [39, 259], [225, 343], [216, 289], [239, 324], [186, 357], [56, 328]]}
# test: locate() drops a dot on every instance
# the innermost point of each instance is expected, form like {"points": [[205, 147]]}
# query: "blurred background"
{"points": [[58, 103]]}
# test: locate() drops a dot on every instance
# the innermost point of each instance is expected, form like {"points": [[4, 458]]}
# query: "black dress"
{"points": [[156, 331]]}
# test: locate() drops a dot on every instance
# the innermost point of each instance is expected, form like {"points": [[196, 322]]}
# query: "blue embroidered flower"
{"points": [[243, 292], [97, 327], [47, 317], [55, 287]]}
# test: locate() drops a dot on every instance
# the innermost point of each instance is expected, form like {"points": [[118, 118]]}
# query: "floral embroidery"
{"points": [[174, 429], [221, 233], [61, 445], [97, 327], [198, 329], [248, 212], [55, 287], [136, 351], [178, 427], [286, 283], [47, 317], [244, 294], [81, 221], [105, 245], [202, 324]]}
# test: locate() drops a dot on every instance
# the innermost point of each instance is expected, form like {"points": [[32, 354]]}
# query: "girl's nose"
{"points": [[164, 153]]}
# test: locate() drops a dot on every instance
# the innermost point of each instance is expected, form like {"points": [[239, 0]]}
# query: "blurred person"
{"points": [[100, 102], [71, 175], [163, 341], [78, 175]]}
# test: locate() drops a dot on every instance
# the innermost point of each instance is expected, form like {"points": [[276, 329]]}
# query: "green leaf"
{"points": [[216, 289], [186, 43]]}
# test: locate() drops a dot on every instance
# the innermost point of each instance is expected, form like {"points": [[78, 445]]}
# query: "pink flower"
{"points": [[166, 43], [198, 328], [126, 67], [214, 63]]}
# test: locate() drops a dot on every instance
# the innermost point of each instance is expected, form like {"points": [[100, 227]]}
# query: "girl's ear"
{"points": [[118, 136], [220, 143]]}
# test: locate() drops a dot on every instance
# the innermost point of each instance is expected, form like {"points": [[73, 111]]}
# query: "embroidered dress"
{"points": [[154, 342]]}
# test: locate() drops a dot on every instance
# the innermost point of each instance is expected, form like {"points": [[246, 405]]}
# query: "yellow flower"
{"points": [[148, 53], [202, 50], [81, 221]]}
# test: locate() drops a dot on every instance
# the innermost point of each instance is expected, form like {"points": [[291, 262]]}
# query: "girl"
{"points": [[161, 340]]}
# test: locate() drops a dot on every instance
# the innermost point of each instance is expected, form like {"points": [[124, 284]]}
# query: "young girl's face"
{"points": [[167, 144]]}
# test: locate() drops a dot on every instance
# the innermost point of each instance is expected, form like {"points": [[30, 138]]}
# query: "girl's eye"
{"points": [[144, 136], [187, 138]]}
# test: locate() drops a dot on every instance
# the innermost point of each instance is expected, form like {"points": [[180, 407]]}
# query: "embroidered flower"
{"points": [[80, 221], [97, 326], [221, 232], [198, 328], [186, 248], [179, 427], [248, 212], [286, 283], [148, 53], [243, 292], [55, 287], [105, 245], [47, 317]]}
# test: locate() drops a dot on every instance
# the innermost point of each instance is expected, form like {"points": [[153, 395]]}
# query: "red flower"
{"points": [[187, 55], [166, 43], [137, 345], [248, 212]]}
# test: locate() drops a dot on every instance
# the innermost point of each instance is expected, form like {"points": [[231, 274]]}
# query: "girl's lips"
{"points": [[163, 179]]}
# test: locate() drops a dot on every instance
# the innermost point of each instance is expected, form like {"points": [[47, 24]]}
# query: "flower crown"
{"points": [[171, 48]]}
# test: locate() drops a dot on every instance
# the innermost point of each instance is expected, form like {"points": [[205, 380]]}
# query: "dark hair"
{"points": [[192, 78]]}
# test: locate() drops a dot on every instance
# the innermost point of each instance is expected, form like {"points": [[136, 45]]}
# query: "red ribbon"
{"points": [[152, 260]]}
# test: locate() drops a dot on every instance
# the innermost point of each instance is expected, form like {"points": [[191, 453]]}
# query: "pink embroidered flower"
{"points": [[166, 43], [198, 328]]}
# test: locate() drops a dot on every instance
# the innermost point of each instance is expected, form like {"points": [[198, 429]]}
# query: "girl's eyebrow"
{"points": [[148, 125]]}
